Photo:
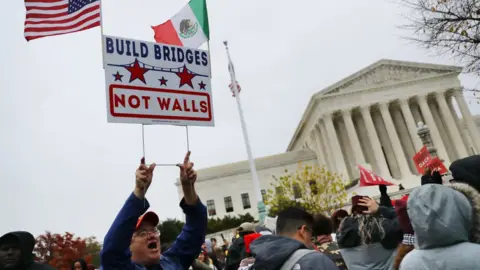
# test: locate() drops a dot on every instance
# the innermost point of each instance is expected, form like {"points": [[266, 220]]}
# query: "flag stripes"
{"points": [[58, 17]]}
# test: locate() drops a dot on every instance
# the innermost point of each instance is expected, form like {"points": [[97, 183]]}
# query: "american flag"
{"points": [[57, 17]]}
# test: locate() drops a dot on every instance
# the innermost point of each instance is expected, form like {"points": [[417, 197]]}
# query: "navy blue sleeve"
{"points": [[115, 253], [188, 244]]}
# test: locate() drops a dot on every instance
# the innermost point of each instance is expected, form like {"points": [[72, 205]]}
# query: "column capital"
{"points": [[383, 105], [457, 93], [422, 96], [366, 108], [327, 115], [404, 102], [441, 94], [346, 112]]}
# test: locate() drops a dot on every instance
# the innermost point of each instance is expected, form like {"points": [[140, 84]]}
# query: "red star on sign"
{"points": [[202, 85], [137, 72], [185, 77]]}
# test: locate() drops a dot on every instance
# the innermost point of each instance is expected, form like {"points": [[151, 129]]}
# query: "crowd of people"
{"points": [[436, 226]]}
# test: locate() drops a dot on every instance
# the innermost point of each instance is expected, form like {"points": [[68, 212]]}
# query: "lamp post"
{"points": [[424, 133]]}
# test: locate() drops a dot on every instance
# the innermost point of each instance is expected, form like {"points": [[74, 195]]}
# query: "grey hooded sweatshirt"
{"points": [[442, 220], [272, 251]]}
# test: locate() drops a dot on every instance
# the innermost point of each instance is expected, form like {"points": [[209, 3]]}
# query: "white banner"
{"points": [[152, 83]]}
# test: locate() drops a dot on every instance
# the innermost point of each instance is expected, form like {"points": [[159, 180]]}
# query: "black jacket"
{"points": [[348, 235], [26, 241]]}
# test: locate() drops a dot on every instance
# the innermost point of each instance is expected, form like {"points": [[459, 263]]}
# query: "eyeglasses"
{"points": [[145, 234]]}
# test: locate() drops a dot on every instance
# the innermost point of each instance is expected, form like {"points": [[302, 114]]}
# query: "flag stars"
{"points": [[202, 85], [163, 81], [117, 76]]}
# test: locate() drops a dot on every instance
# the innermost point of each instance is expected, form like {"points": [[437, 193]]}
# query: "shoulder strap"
{"points": [[295, 257]]}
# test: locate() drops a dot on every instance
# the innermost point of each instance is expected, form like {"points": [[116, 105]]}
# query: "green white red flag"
{"points": [[188, 28]]}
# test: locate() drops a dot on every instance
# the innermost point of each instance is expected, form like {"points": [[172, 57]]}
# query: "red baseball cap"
{"points": [[149, 217]]}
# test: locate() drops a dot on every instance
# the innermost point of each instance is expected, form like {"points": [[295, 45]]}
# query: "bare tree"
{"points": [[448, 26]]}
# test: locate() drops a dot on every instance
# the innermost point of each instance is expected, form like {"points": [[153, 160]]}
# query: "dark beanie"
{"points": [[467, 170], [402, 216], [432, 178]]}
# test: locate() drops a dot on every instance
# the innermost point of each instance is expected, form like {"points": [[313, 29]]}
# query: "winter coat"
{"points": [[26, 242], [116, 255], [378, 255], [442, 219], [272, 251]]}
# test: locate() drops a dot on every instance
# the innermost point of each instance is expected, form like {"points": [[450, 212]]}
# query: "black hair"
{"points": [[322, 225], [291, 219], [82, 262], [213, 239]]}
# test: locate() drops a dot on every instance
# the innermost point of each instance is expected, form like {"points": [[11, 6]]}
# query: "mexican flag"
{"points": [[189, 27]]}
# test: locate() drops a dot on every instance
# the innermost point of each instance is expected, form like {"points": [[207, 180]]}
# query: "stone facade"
{"points": [[368, 118]]}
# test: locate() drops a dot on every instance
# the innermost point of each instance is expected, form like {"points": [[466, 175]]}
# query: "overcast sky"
{"points": [[64, 168]]}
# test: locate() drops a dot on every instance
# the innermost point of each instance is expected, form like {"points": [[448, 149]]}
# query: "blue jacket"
{"points": [[116, 253]]}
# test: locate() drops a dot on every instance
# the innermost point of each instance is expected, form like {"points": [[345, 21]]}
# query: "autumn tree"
{"points": [[448, 26], [313, 188], [60, 250], [171, 228]]}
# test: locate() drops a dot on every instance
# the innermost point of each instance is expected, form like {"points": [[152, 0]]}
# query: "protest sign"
{"points": [[152, 83], [424, 160], [421, 160], [368, 178]]}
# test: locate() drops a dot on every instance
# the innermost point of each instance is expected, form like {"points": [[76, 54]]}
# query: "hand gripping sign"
{"points": [[152, 83]]}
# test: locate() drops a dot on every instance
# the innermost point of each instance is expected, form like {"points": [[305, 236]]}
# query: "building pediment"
{"points": [[388, 72], [383, 73]]}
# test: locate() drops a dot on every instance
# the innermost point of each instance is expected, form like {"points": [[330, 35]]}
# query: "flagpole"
{"points": [[101, 33], [253, 170]]}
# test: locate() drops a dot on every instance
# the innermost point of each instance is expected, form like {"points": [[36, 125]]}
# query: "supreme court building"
{"points": [[371, 118]]}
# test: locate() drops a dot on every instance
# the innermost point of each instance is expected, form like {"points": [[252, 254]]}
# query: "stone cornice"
{"points": [[242, 167], [387, 86]]}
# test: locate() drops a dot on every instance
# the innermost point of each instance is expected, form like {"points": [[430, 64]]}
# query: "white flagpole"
{"points": [[101, 33], [256, 182]]}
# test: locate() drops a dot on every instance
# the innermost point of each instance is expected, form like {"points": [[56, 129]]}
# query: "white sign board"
{"points": [[152, 83]]}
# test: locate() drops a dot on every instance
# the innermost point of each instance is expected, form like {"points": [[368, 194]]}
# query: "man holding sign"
{"points": [[133, 241]]}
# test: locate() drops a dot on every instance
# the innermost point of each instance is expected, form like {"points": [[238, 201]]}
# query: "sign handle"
{"points": [[143, 148], [188, 140]]}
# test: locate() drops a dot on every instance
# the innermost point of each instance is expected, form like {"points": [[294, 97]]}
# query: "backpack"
{"points": [[292, 260]]}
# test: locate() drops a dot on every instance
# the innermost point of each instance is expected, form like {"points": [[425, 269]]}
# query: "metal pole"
{"points": [[256, 182]]}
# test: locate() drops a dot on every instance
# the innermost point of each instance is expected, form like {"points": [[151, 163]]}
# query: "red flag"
{"points": [[368, 178], [233, 90]]}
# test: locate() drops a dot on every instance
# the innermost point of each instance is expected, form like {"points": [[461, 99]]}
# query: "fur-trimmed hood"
{"points": [[473, 197]]}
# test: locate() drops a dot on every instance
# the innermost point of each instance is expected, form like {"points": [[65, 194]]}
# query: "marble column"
{"points": [[468, 119], [329, 154], [397, 146], [452, 128], [411, 125], [318, 142], [437, 139], [334, 142], [375, 143], [353, 136]]}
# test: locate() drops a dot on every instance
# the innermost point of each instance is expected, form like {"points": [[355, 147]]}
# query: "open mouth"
{"points": [[152, 245]]}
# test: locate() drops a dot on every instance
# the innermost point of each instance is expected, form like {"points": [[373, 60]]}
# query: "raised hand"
{"points": [[143, 179], [371, 205], [188, 175]]}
